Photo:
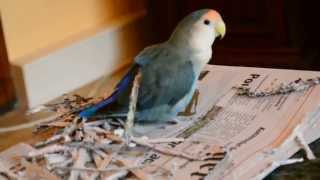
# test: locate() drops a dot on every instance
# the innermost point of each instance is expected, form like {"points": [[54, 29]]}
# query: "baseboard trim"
{"points": [[47, 74]]}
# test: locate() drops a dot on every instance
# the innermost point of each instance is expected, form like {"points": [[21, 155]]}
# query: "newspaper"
{"points": [[236, 137], [239, 137]]}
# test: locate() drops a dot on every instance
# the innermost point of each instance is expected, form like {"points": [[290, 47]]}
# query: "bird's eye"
{"points": [[206, 22]]}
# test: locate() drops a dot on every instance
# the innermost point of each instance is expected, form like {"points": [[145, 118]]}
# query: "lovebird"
{"points": [[169, 71]]}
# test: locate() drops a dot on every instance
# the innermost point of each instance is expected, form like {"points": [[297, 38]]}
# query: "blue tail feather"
{"points": [[121, 86]]}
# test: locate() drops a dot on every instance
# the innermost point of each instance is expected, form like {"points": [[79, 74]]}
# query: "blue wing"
{"points": [[121, 87]]}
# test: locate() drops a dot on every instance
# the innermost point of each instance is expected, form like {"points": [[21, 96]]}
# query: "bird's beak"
{"points": [[220, 29]]}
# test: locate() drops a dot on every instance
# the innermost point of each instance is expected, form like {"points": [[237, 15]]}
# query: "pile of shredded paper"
{"points": [[88, 148]]}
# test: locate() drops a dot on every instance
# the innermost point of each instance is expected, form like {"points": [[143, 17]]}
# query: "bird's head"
{"points": [[199, 29]]}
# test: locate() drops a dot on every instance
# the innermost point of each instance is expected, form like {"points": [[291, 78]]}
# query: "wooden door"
{"points": [[7, 95]]}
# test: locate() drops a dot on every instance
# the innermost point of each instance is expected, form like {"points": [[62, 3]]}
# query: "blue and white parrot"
{"points": [[169, 70]]}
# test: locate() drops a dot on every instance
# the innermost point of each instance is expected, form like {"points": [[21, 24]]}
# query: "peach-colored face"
{"points": [[200, 29], [216, 19], [213, 16]]}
